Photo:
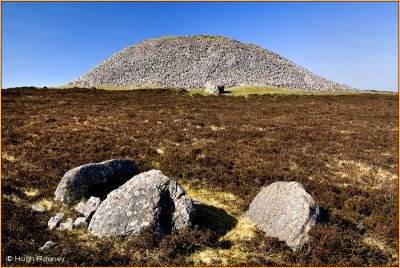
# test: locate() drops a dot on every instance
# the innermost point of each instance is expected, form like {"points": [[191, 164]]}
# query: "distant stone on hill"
{"points": [[191, 61], [149, 199], [212, 88], [286, 211], [94, 179]]}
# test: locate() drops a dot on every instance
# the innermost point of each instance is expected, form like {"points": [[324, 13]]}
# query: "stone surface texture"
{"points": [[38, 208], [80, 222], [149, 199], [48, 245], [87, 208], [54, 221], [286, 211], [191, 61], [94, 179], [211, 88], [66, 225]]}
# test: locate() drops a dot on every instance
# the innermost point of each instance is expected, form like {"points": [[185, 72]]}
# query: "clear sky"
{"points": [[50, 44]]}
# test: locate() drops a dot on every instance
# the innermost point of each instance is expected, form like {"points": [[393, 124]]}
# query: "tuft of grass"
{"points": [[31, 192], [46, 203], [8, 157]]}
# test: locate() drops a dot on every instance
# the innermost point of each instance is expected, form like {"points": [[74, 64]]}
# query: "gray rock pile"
{"points": [[94, 179], [286, 211], [192, 61], [148, 199]]}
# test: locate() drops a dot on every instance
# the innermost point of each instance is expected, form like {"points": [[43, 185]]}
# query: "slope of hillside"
{"points": [[191, 61]]}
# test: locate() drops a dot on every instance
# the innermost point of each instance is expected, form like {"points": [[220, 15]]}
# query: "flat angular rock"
{"points": [[87, 208], [148, 199], [80, 222], [94, 179], [66, 225], [48, 245], [54, 221], [286, 211], [38, 208]]}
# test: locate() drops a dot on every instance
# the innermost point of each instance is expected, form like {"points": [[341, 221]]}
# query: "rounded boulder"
{"points": [[286, 211]]}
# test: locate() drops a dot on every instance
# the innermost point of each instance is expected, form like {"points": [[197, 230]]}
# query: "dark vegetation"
{"points": [[343, 149]]}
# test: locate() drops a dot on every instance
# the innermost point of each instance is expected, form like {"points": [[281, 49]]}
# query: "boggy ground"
{"points": [[343, 149]]}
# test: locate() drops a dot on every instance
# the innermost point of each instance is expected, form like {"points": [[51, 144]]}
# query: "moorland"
{"points": [[343, 148]]}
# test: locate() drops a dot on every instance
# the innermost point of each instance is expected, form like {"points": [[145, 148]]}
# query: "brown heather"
{"points": [[343, 149]]}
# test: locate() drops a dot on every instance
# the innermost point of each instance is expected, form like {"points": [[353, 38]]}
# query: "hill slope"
{"points": [[191, 61]]}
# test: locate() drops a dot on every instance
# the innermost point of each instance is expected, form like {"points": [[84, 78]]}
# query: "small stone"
{"points": [[38, 208], [48, 245], [86, 209], [66, 225], [80, 222], [54, 221]]}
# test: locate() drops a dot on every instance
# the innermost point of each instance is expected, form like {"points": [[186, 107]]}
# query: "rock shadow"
{"points": [[214, 219], [323, 217]]}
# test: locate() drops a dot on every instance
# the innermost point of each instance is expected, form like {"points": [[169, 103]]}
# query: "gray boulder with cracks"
{"points": [[286, 211], [149, 199]]}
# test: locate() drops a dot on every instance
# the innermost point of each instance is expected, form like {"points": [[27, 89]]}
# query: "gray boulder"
{"points": [[87, 208], [38, 208], [54, 221], [94, 179], [66, 225], [148, 199], [212, 88], [48, 245], [286, 211], [80, 222]]}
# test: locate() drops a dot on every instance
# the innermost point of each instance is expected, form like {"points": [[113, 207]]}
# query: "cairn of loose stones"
{"points": [[193, 61]]}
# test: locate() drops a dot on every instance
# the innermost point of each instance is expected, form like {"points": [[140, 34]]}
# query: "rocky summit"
{"points": [[192, 61]]}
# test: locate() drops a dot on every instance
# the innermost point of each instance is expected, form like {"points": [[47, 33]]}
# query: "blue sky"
{"points": [[50, 44]]}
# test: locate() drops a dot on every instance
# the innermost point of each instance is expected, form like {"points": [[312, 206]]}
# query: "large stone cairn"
{"points": [[192, 61]]}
